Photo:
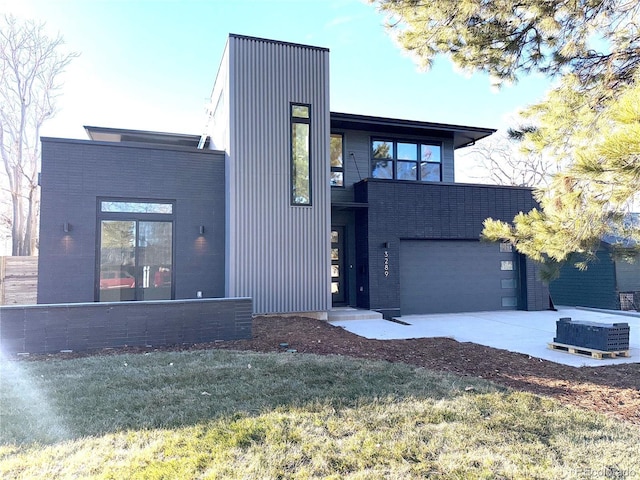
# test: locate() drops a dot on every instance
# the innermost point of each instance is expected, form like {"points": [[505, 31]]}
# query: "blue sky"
{"points": [[150, 64]]}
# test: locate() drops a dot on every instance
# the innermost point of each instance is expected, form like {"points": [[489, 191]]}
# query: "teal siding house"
{"points": [[608, 283]]}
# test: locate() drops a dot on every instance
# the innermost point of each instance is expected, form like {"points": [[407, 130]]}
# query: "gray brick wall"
{"points": [[435, 211], [94, 326], [76, 172]]}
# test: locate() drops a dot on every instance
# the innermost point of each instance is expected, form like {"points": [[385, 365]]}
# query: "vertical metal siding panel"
{"points": [[230, 169], [227, 94], [282, 252], [324, 215]]}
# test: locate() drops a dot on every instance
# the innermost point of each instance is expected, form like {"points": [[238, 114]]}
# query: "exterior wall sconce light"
{"points": [[201, 229], [66, 227], [385, 244]]}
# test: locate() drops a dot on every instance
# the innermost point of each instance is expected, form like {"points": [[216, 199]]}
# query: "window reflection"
{"points": [[336, 150], [382, 149], [402, 160], [117, 261], [406, 170], [407, 151], [506, 265], [136, 207], [336, 155], [430, 153], [155, 258], [300, 111], [300, 161], [135, 260], [382, 169], [506, 247], [430, 172], [337, 179]]}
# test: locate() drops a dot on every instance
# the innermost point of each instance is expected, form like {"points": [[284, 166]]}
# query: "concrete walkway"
{"points": [[516, 331]]}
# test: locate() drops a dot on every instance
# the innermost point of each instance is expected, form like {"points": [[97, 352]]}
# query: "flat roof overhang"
{"points": [[105, 134], [462, 136]]}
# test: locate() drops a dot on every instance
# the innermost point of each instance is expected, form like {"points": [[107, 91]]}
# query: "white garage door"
{"points": [[456, 276]]}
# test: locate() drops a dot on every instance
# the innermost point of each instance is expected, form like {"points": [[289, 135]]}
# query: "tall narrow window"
{"points": [[300, 155], [337, 164]]}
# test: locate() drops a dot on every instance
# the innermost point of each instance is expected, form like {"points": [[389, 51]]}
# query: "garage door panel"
{"points": [[454, 276]]}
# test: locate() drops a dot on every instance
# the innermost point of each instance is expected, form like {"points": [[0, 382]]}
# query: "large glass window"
{"points": [[135, 251], [404, 160], [337, 163], [300, 155]]}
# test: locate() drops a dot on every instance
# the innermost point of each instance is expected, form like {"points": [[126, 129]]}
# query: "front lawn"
{"points": [[222, 414]]}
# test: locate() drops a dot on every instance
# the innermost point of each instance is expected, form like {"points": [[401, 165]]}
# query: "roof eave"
{"points": [[462, 136]]}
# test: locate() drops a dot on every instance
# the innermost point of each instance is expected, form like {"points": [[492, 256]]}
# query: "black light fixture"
{"points": [[66, 227], [385, 244], [201, 230]]}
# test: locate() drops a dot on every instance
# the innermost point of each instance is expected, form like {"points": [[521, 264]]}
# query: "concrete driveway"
{"points": [[516, 331]]}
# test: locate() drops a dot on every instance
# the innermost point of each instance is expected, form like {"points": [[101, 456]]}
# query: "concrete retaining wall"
{"points": [[93, 326]]}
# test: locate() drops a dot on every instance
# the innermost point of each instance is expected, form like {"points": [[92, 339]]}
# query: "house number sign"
{"points": [[386, 263]]}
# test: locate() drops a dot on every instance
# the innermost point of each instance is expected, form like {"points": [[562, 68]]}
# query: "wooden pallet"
{"points": [[589, 352]]}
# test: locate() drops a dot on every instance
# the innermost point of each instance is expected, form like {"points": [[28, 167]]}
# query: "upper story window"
{"points": [[300, 154], [337, 163], [405, 160]]}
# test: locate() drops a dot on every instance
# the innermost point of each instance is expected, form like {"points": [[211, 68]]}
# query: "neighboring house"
{"points": [[608, 282], [297, 207]]}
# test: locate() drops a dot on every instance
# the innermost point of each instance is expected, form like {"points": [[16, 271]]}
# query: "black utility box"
{"points": [[597, 336]]}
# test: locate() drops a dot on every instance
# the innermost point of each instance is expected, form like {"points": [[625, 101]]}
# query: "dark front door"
{"points": [[338, 283]]}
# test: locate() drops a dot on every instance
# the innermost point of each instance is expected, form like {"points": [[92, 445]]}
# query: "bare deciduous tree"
{"points": [[503, 162], [30, 64]]}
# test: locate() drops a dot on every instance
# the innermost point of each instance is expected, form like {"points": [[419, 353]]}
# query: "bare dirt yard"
{"points": [[610, 389]]}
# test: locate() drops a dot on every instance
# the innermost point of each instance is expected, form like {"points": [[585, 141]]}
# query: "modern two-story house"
{"points": [[283, 201]]}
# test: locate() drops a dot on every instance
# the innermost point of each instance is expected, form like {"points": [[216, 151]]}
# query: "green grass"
{"points": [[219, 414]]}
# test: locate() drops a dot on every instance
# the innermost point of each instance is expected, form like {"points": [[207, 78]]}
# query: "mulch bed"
{"points": [[610, 389]]}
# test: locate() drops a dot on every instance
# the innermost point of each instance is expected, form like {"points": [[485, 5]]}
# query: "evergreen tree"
{"points": [[589, 124], [589, 199], [594, 39]]}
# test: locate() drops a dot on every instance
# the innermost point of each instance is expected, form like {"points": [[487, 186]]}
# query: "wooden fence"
{"points": [[18, 280]]}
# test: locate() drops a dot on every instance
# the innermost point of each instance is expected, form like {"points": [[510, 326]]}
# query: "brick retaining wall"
{"points": [[93, 326]]}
